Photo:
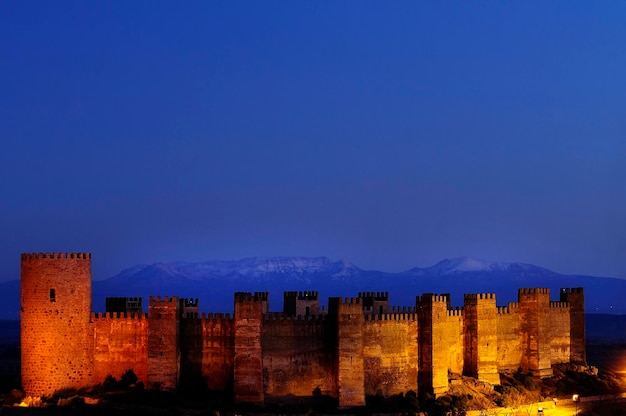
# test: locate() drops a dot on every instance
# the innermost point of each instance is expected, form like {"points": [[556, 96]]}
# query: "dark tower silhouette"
{"points": [[578, 339]]}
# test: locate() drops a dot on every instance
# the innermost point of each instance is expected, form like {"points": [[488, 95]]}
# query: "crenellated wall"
{"points": [[454, 343], [164, 342], [248, 359], [375, 302], [509, 353], [481, 337], [347, 324], [534, 305], [559, 338], [575, 297], [390, 353], [435, 339], [120, 344], [360, 347], [297, 357], [208, 350], [303, 303]]}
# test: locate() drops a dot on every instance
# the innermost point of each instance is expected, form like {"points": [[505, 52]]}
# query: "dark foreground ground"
{"points": [[608, 358]]}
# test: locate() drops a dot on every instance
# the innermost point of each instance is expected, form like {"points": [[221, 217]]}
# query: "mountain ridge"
{"points": [[471, 264], [275, 275]]}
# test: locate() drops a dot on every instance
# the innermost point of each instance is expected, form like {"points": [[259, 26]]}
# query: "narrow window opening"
{"points": [[52, 296], [308, 311]]}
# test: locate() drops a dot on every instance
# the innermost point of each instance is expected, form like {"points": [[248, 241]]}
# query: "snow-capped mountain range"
{"points": [[469, 264], [214, 282]]}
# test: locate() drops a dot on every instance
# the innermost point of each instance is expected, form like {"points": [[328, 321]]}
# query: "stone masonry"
{"points": [[359, 347]]}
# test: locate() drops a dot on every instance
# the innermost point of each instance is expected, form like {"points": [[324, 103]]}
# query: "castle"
{"points": [[356, 348]]}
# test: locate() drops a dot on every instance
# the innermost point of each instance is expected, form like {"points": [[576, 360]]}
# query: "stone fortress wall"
{"points": [[358, 347]]}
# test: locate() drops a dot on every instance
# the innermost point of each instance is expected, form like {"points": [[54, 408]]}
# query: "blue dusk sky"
{"points": [[389, 134]]}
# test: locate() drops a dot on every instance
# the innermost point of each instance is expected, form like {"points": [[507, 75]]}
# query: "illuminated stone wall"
{"points": [[535, 333], [559, 324], [481, 337], [297, 357], [248, 360], [346, 317], [208, 350], [534, 306], [453, 343], [120, 344], [56, 334], [163, 342], [434, 339], [390, 353], [509, 354], [359, 347]]}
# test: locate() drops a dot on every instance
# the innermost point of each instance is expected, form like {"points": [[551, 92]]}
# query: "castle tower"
{"points": [[481, 337], [376, 303], [301, 303], [56, 336], [349, 371], [578, 339], [534, 309], [189, 307], [432, 375], [164, 342], [123, 305], [248, 363]]}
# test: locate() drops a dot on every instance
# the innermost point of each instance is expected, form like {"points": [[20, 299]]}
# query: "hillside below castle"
{"points": [[355, 348]]}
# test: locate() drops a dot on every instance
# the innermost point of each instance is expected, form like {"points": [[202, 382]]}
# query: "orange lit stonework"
{"points": [[358, 347]]}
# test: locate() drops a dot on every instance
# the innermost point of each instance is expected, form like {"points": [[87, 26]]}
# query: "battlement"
{"points": [[247, 297], [572, 290], [478, 296], [55, 256], [216, 316], [55, 311], [402, 309], [207, 317], [189, 302], [370, 310], [118, 315], [380, 296], [278, 316], [350, 301], [337, 305], [503, 310], [243, 297], [301, 295], [534, 291], [166, 299], [357, 347], [391, 317], [433, 298], [124, 304]]}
